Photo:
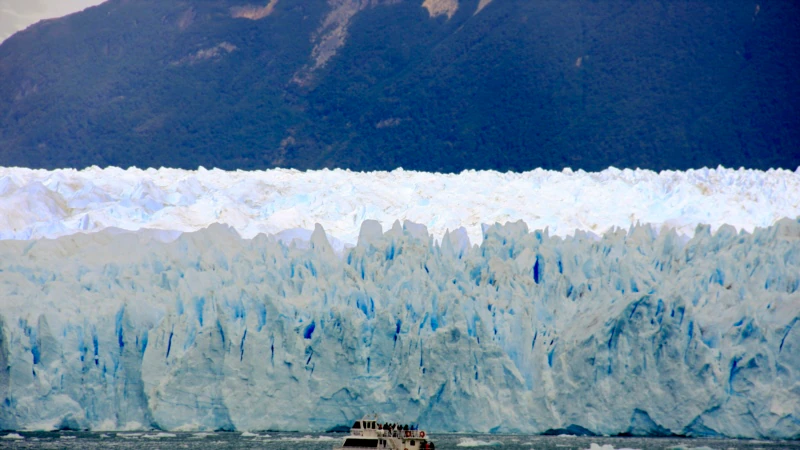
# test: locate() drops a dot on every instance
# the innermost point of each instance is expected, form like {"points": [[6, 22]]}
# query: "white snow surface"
{"points": [[637, 330], [47, 204]]}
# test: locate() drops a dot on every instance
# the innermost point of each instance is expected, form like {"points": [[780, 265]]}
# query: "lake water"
{"points": [[287, 441]]}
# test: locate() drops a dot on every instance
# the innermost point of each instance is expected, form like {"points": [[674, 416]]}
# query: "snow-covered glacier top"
{"points": [[47, 204]]}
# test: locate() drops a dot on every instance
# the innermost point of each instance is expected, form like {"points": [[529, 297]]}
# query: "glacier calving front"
{"points": [[634, 332], [629, 332]]}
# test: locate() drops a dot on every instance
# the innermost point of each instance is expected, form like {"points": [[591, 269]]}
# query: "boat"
{"points": [[368, 433]]}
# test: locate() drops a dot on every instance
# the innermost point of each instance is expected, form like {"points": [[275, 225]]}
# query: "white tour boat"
{"points": [[369, 433]]}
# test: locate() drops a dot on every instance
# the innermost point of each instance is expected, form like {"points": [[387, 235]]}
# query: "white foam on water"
{"points": [[471, 442], [201, 435], [594, 446], [12, 436], [159, 436], [129, 435], [684, 447]]}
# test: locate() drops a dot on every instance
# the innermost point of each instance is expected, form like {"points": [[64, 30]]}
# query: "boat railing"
{"points": [[401, 433]]}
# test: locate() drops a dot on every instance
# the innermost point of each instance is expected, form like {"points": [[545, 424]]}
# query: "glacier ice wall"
{"points": [[635, 332], [38, 203]]}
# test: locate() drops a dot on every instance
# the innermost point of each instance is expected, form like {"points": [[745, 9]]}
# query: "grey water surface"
{"points": [[286, 441]]}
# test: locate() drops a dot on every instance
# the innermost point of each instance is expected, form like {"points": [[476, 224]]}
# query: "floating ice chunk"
{"points": [[161, 435], [12, 436], [470, 442], [310, 438], [200, 435], [594, 446], [684, 447], [130, 435]]}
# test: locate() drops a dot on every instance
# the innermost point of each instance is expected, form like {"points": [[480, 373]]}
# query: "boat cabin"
{"points": [[370, 434], [364, 425]]}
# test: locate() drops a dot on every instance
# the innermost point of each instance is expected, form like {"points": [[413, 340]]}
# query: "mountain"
{"points": [[444, 85]]}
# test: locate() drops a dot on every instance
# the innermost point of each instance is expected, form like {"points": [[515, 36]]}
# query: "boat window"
{"points": [[370, 443], [413, 443], [357, 425]]}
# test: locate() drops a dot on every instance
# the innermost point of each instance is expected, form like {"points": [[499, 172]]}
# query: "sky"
{"points": [[16, 15]]}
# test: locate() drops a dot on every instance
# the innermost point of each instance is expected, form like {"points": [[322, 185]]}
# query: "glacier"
{"points": [[38, 204], [646, 329]]}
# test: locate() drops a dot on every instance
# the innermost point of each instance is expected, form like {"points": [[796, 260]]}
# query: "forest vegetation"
{"points": [[518, 85]]}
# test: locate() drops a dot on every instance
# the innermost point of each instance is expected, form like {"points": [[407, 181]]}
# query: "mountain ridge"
{"points": [[502, 85]]}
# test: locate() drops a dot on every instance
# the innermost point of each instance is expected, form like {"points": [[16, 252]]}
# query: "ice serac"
{"points": [[37, 204], [634, 331]]}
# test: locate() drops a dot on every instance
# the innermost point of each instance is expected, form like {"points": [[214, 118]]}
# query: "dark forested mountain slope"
{"points": [[444, 86]]}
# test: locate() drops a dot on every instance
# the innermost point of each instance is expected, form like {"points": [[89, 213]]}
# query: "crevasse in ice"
{"points": [[632, 332]]}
